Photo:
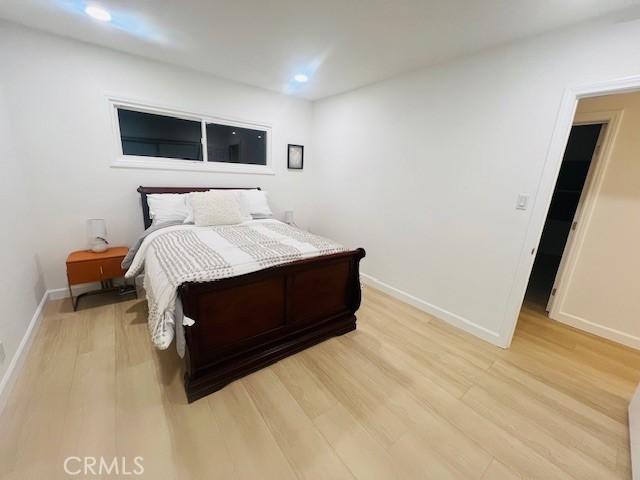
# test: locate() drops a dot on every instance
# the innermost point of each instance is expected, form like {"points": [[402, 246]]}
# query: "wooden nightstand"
{"points": [[86, 266]]}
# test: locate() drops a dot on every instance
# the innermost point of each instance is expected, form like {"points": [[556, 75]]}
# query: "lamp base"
{"points": [[99, 246]]}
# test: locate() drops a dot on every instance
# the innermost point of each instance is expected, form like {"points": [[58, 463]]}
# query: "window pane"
{"points": [[236, 145], [151, 135]]}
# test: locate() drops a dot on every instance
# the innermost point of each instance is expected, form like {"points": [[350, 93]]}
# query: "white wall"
{"points": [[598, 290], [55, 93], [22, 287], [423, 170]]}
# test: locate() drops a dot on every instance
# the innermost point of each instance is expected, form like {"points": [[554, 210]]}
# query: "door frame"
{"points": [[611, 121], [544, 191]]}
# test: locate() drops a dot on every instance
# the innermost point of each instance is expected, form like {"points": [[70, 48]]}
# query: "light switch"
{"points": [[523, 200]]}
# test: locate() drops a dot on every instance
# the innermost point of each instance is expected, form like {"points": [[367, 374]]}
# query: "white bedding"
{"points": [[178, 254]]}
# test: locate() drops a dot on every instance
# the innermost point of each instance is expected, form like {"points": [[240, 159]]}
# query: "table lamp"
{"points": [[288, 217], [97, 232]]}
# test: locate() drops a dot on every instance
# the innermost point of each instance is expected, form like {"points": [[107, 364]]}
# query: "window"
{"points": [[151, 137], [236, 145]]}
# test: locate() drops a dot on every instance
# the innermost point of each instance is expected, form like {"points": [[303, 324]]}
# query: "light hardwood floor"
{"points": [[405, 396]]}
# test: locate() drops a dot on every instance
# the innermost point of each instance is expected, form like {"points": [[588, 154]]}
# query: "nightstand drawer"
{"points": [[84, 272], [111, 268], [94, 271]]}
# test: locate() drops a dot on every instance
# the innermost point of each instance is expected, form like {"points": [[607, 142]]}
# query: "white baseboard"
{"points": [[17, 361], [634, 434], [60, 293], [444, 315], [596, 329]]}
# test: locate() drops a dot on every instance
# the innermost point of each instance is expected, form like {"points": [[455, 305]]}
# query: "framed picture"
{"points": [[295, 157]]}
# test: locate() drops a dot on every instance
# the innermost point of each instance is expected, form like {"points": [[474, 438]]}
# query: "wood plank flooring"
{"points": [[405, 396]]}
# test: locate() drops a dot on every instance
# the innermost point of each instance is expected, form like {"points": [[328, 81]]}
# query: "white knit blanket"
{"points": [[175, 255]]}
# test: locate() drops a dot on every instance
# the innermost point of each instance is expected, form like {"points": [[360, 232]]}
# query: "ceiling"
{"points": [[339, 44]]}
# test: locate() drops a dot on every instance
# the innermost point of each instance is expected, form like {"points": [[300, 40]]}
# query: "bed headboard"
{"points": [[144, 191]]}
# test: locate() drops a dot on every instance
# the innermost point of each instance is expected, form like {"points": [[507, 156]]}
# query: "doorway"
{"points": [[610, 115], [562, 218]]}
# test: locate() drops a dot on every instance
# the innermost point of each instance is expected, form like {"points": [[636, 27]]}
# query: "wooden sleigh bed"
{"points": [[247, 322]]}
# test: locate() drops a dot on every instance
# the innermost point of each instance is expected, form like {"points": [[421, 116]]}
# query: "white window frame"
{"points": [[159, 163]]}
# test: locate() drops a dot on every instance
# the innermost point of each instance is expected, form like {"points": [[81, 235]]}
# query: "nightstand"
{"points": [[86, 266]]}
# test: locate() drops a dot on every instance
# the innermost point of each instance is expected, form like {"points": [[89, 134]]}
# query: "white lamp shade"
{"points": [[97, 233], [96, 228]]}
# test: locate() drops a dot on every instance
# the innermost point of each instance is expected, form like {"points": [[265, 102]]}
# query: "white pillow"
{"points": [[244, 206], [241, 201], [167, 207], [257, 203], [216, 207]]}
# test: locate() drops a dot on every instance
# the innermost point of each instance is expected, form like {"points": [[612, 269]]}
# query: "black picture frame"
{"points": [[292, 148]]}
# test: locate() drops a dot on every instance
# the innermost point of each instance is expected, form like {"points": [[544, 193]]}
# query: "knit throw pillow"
{"points": [[216, 207]]}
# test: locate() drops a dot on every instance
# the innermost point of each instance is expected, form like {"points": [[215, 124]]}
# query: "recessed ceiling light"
{"points": [[301, 78], [98, 13]]}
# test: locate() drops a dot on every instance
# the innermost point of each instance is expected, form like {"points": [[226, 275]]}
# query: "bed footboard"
{"points": [[246, 323]]}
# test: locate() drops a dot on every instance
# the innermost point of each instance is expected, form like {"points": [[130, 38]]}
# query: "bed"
{"points": [[246, 322]]}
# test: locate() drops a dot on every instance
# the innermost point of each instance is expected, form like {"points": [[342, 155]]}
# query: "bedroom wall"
{"points": [[423, 170], [599, 289], [22, 284], [55, 94]]}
